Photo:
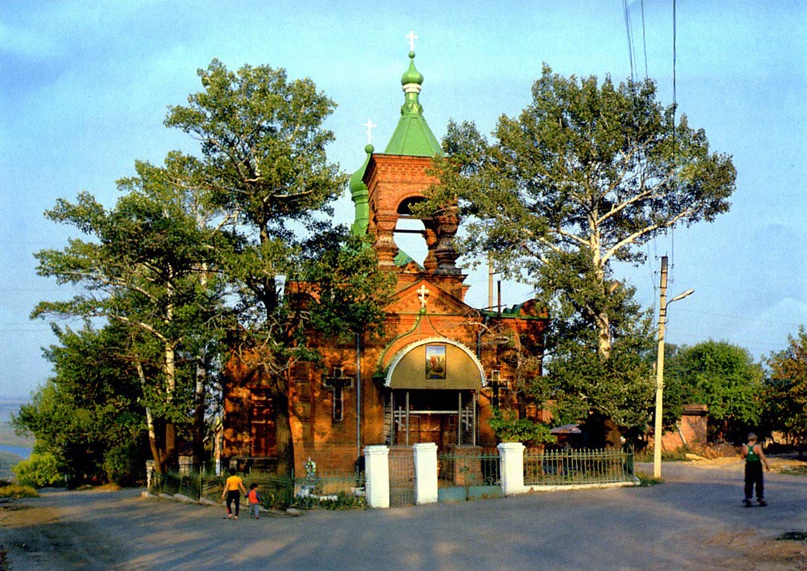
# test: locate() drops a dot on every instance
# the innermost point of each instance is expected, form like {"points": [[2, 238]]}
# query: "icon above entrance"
{"points": [[436, 363]]}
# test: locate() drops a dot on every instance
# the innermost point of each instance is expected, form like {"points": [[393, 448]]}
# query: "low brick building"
{"points": [[691, 430]]}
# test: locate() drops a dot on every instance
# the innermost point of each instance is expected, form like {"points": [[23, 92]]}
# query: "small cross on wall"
{"points": [[423, 295], [337, 383]]}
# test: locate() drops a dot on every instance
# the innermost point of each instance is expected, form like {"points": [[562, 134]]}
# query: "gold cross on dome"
{"points": [[423, 294]]}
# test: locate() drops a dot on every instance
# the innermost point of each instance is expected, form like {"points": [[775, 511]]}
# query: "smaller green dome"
{"points": [[412, 75], [355, 183], [359, 195]]}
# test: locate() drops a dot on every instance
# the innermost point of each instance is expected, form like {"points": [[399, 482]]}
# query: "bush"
{"points": [[17, 491], [341, 501], [39, 471], [509, 428], [124, 464]]}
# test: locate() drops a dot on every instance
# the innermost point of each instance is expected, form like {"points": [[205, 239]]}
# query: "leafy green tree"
{"points": [[263, 151], [148, 267], [725, 378], [786, 389], [583, 177], [89, 406], [610, 395]]}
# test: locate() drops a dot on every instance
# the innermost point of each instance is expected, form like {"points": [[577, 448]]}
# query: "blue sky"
{"points": [[86, 86]]}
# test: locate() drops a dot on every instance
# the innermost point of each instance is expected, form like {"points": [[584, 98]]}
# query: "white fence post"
{"points": [[511, 455], [425, 473], [376, 467]]}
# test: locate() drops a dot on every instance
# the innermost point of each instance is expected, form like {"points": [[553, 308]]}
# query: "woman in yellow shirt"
{"points": [[232, 491]]}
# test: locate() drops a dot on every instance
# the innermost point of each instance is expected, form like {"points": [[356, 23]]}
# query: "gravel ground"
{"points": [[693, 521]]}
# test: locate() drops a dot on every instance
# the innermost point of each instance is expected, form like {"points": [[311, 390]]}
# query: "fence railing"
{"points": [[278, 492], [578, 466], [475, 467]]}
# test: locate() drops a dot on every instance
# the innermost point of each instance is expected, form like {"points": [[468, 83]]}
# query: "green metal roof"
{"points": [[412, 136]]}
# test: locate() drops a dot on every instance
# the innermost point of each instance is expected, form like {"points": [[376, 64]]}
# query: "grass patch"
{"points": [[646, 480], [793, 536], [5, 561], [17, 491], [795, 470], [679, 455]]}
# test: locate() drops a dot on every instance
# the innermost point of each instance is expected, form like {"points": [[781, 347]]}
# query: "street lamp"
{"points": [[662, 319]]}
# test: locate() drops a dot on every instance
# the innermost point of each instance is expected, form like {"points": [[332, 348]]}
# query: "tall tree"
{"points": [[722, 376], [786, 389], [583, 177], [147, 267], [263, 147]]}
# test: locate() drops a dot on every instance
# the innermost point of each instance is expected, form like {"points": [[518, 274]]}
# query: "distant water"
{"points": [[22, 451], [7, 408]]}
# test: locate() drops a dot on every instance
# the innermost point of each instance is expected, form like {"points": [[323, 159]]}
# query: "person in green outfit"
{"points": [[754, 459]]}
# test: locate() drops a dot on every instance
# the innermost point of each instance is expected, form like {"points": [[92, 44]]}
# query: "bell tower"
{"points": [[388, 184]]}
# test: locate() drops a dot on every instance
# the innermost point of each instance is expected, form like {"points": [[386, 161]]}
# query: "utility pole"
{"points": [[662, 321], [490, 280], [662, 318]]}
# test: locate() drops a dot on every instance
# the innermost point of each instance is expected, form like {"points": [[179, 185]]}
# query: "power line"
{"points": [[644, 42], [631, 58]]}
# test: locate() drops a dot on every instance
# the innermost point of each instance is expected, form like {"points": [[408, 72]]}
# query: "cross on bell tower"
{"points": [[411, 36], [370, 126]]}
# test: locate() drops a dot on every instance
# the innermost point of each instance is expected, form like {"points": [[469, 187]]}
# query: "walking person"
{"points": [[232, 491], [254, 500], [754, 459]]}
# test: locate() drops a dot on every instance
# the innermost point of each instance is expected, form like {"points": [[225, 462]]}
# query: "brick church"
{"points": [[441, 365]]}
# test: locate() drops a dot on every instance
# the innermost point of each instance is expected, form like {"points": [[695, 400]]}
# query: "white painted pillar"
{"points": [[425, 473], [511, 456], [376, 469]]}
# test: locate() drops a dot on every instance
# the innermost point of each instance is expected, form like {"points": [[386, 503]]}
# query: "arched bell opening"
{"points": [[413, 235]]}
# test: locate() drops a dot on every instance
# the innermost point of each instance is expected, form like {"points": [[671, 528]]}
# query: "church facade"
{"points": [[440, 367]]}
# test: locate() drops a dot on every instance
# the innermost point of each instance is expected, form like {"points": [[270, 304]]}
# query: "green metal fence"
{"points": [[279, 492], [478, 467], [578, 466], [468, 473]]}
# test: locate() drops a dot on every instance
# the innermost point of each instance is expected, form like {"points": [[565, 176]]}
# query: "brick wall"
{"points": [[692, 428]]}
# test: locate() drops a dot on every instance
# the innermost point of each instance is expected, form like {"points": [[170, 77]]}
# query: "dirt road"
{"points": [[693, 521]]}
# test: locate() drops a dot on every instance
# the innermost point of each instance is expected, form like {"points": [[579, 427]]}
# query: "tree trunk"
{"points": [[153, 444], [283, 434], [199, 415], [156, 454], [170, 459]]}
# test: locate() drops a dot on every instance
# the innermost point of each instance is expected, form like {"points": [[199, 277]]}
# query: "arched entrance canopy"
{"points": [[436, 363]]}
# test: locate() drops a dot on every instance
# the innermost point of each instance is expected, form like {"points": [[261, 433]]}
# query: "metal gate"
{"points": [[401, 476], [469, 473]]}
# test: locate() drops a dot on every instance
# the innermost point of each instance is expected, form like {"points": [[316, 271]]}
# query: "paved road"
{"points": [[693, 521]]}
